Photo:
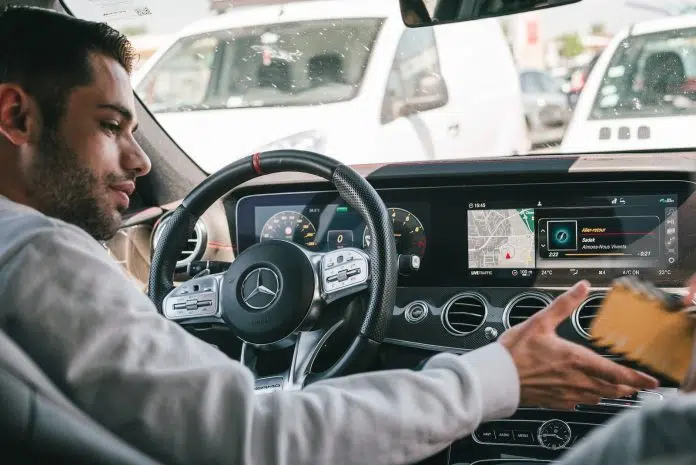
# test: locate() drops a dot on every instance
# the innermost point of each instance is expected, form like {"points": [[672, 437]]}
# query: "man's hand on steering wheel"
{"points": [[556, 373]]}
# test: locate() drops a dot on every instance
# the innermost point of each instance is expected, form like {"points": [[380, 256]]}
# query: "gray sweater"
{"points": [[72, 308]]}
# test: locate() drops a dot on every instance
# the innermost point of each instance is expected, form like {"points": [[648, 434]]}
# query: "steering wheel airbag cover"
{"points": [[286, 279]]}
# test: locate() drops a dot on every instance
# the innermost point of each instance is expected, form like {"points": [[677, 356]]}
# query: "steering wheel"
{"points": [[274, 292]]}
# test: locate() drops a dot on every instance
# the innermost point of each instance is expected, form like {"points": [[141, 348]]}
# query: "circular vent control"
{"points": [[464, 313], [194, 247], [585, 313], [416, 312], [522, 307]]}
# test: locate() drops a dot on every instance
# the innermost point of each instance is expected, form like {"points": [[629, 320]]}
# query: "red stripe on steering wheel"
{"points": [[256, 163]]}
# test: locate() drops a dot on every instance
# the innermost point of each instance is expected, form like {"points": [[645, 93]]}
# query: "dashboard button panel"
{"points": [[532, 433]]}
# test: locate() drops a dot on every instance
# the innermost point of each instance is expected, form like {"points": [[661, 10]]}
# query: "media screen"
{"points": [[605, 236]]}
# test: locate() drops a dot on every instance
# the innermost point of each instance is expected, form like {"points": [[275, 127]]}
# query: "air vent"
{"points": [[582, 317], [524, 306], [194, 247], [464, 313]]}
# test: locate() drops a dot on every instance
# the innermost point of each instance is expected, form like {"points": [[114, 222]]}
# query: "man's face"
{"points": [[83, 171]]}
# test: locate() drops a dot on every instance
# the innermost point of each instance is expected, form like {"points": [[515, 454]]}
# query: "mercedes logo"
{"points": [[260, 288]]}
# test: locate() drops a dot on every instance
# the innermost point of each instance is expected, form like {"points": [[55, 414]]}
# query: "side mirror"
{"points": [[417, 13], [430, 93]]}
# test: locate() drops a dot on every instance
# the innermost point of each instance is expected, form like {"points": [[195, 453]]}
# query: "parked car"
{"points": [[314, 74], [545, 106], [578, 78], [642, 94]]}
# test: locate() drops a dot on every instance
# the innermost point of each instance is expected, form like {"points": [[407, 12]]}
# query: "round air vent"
{"points": [[194, 247], [519, 309], [585, 313], [464, 313]]}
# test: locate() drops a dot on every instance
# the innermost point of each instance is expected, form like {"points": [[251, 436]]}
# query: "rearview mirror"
{"points": [[417, 13]]}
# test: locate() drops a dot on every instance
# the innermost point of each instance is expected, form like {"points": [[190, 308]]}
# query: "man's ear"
{"points": [[17, 114]]}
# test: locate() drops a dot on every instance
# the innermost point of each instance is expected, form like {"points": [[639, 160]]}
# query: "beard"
{"points": [[62, 187]]}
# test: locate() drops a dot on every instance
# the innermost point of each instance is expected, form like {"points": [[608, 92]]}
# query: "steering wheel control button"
{"points": [[185, 301], [343, 272], [416, 312], [268, 292]]}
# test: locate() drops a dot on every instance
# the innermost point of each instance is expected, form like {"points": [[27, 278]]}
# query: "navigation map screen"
{"points": [[598, 236]]}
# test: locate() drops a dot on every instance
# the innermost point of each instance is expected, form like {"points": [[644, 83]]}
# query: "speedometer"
{"points": [[408, 232], [290, 226]]}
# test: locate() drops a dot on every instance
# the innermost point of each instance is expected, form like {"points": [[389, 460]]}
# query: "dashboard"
{"points": [[483, 245], [497, 235]]}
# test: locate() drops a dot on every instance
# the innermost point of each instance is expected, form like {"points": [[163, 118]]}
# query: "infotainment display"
{"points": [[593, 236]]}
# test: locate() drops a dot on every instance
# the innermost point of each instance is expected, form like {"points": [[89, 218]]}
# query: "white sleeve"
{"points": [[658, 434], [100, 339]]}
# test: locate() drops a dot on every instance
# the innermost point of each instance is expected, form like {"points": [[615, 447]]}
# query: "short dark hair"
{"points": [[48, 54]]}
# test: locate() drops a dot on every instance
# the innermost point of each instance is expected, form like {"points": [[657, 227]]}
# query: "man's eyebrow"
{"points": [[125, 112]]}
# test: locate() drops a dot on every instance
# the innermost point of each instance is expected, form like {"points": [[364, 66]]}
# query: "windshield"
{"points": [[308, 63], [346, 78]]}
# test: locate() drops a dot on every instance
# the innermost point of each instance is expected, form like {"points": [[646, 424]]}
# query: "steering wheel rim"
{"points": [[351, 187]]}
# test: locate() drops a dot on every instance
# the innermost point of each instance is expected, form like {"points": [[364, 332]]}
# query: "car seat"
{"points": [[664, 74]]}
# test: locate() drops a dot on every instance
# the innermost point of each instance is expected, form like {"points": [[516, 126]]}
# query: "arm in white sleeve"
{"points": [[100, 339], [658, 434]]}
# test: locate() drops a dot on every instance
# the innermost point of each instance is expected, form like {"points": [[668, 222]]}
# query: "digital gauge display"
{"points": [[409, 233], [290, 226]]}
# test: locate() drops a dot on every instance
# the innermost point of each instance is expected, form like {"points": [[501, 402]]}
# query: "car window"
{"points": [[530, 83], [308, 63], [184, 77], [548, 84], [415, 74], [649, 76]]}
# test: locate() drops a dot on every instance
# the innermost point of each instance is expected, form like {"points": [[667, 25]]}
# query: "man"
{"points": [[68, 161]]}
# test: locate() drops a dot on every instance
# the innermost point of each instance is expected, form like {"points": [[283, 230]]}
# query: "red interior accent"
{"points": [[256, 163]]}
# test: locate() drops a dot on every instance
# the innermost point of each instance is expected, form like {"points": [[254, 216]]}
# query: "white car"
{"points": [[347, 79], [641, 94]]}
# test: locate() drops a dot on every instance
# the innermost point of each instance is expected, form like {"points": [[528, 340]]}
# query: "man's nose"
{"points": [[135, 160]]}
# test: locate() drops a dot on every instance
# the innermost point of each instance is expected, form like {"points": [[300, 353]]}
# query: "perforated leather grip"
{"points": [[360, 195]]}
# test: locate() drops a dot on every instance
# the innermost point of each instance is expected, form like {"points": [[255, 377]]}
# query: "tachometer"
{"points": [[290, 226], [408, 232]]}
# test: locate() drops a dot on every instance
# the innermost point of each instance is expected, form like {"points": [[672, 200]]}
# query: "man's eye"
{"points": [[111, 126]]}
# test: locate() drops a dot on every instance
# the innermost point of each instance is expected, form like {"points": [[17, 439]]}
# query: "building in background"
{"points": [[526, 40]]}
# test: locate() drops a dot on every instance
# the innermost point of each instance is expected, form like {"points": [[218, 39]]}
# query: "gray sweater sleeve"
{"points": [[658, 434], [100, 339]]}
